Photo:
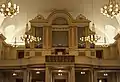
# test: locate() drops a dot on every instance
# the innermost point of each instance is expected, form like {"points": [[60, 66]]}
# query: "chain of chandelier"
{"points": [[8, 9], [111, 9]]}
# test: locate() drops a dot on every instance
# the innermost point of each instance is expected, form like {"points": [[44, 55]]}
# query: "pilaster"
{"points": [[94, 76], [49, 37], [47, 75], [27, 76], [70, 37], [72, 74], [74, 36], [44, 37]]}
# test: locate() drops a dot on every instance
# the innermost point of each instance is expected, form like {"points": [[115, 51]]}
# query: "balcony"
{"points": [[97, 62], [60, 58], [82, 60], [23, 62]]}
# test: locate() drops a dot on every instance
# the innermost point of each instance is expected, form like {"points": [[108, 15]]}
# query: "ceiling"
{"points": [[15, 27]]}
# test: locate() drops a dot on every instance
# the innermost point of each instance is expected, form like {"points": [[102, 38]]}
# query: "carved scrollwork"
{"points": [[38, 18], [82, 18]]}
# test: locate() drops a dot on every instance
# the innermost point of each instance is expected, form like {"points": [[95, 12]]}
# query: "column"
{"points": [[73, 40], [27, 76], [70, 37], [44, 37], [49, 37], [94, 76], [74, 36], [47, 33], [47, 75], [72, 74], [118, 76]]}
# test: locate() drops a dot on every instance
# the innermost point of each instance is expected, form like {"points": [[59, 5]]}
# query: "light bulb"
{"points": [[111, 5], [113, 13], [108, 15], [3, 5], [14, 74], [15, 6], [9, 5], [116, 9], [37, 72], [105, 11], [9, 13], [110, 9], [7, 9], [18, 9], [15, 13], [116, 5], [1, 9], [105, 7], [101, 9], [112, 17]]}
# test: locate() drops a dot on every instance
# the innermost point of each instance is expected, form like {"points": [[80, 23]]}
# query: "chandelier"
{"points": [[30, 38], [9, 9], [111, 9], [91, 38], [27, 37]]}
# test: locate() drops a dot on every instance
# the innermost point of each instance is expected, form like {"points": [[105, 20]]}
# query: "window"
{"points": [[99, 54], [20, 54], [39, 36]]}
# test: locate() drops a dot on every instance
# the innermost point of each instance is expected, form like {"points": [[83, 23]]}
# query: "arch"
{"points": [[60, 21], [60, 14]]}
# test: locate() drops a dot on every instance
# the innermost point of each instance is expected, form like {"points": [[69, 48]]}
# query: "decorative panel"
{"points": [[81, 53], [60, 38], [38, 53], [60, 21], [27, 54]]}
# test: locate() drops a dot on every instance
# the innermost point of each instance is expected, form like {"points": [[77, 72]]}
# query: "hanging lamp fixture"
{"points": [[111, 9], [92, 37], [15, 43], [8, 9], [105, 41]]}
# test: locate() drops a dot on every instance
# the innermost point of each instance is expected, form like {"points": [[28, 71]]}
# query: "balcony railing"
{"points": [[60, 58]]}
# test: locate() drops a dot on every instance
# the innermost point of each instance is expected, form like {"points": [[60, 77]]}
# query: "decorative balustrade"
{"points": [[60, 58]]}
